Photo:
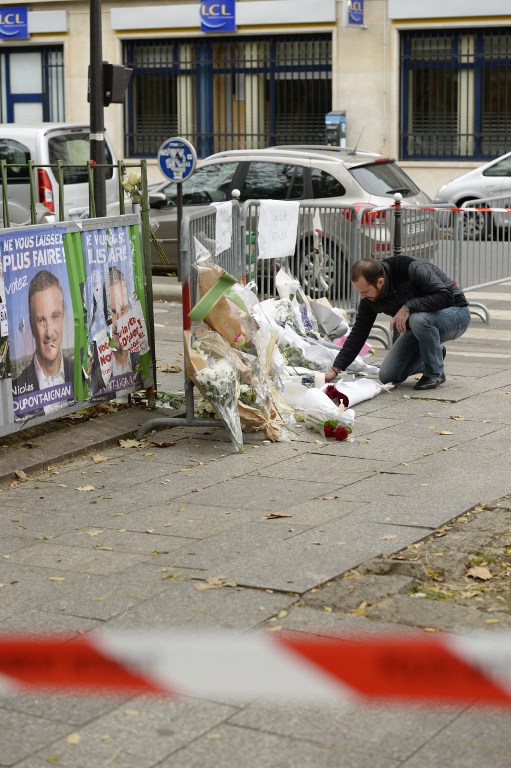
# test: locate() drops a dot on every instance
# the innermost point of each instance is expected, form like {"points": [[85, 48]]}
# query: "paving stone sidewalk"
{"points": [[316, 536]]}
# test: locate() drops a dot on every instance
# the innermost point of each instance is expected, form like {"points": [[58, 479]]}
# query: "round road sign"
{"points": [[177, 159]]}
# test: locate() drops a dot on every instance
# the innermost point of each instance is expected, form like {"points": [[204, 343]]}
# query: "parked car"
{"points": [[313, 174], [491, 180], [45, 144]]}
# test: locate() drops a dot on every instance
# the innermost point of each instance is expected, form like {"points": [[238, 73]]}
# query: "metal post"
{"points": [[97, 130], [396, 250], [179, 201]]}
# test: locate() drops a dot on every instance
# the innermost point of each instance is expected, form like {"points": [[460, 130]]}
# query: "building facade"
{"points": [[428, 83]]}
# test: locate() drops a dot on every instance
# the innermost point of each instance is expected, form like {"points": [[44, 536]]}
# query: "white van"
{"points": [[45, 144]]}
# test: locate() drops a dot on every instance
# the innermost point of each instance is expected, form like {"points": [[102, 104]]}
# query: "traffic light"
{"points": [[115, 81]]}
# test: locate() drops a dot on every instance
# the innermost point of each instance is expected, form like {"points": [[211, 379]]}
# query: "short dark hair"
{"points": [[40, 282], [370, 269]]}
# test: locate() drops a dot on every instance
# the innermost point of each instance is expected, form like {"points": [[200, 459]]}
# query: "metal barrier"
{"points": [[331, 238]]}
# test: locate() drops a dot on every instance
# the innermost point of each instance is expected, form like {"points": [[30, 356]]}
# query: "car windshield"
{"points": [[383, 179]]}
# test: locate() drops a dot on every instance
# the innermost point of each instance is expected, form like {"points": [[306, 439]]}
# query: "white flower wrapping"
{"points": [[221, 387], [219, 382]]}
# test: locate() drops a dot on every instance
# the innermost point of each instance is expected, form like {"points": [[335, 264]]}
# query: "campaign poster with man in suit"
{"points": [[40, 318]]}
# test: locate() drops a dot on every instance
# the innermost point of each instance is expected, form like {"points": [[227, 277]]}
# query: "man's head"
{"points": [[118, 300], [46, 313], [368, 278]]}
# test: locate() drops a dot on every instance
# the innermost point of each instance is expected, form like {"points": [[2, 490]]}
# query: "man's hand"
{"points": [[399, 320], [331, 375]]}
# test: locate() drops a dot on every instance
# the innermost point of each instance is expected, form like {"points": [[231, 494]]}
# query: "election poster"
{"points": [[40, 320], [5, 364], [116, 328]]}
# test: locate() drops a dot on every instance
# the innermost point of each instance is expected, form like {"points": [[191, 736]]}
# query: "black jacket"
{"points": [[422, 286]]}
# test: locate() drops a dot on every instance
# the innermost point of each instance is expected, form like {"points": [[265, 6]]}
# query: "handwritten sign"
{"points": [[277, 228]]}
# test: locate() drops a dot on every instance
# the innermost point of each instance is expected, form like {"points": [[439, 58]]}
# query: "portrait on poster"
{"points": [[116, 327], [40, 321]]}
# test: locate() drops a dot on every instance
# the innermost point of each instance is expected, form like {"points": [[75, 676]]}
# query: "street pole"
{"points": [[97, 128]]}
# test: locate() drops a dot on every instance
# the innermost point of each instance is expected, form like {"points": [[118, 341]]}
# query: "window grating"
{"points": [[228, 93], [455, 94]]}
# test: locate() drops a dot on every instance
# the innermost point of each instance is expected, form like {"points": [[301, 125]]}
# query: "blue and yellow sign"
{"points": [[218, 16], [356, 13], [14, 23]]}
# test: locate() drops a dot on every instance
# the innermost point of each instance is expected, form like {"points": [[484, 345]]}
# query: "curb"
{"points": [[36, 454]]}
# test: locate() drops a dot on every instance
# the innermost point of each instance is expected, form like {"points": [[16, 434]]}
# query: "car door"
{"points": [[16, 156]]}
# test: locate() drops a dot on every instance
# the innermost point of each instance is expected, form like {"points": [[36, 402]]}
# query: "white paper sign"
{"points": [[277, 229], [105, 354], [223, 226]]}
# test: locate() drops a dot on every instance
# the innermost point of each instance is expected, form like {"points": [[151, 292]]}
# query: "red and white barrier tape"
{"points": [[439, 668]]}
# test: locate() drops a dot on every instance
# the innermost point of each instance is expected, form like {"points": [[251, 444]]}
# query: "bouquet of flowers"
{"points": [[132, 185], [219, 384]]}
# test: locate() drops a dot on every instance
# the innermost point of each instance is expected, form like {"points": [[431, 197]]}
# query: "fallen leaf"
{"points": [[20, 474], [390, 536], [98, 458], [444, 432], [214, 582], [85, 488], [94, 532], [326, 498], [105, 549], [73, 738], [57, 578], [277, 515], [170, 576], [131, 443], [162, 443], [479, 572], [53, 758], [493, 621], [281, 614], [458, 418], [360, 611]]}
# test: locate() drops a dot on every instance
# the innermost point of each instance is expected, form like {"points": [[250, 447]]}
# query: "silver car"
{"points": [[321, 175], [490, 181]]}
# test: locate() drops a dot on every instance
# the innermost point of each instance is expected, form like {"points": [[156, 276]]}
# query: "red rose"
{"points": [[340, 433], [337, 397]]}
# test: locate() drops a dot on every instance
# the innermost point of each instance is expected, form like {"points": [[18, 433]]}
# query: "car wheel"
{"points": [[476, 224], [323, 273]]}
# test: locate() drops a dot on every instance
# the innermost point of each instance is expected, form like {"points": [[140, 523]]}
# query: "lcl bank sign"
{"points": [[14, 23], [218, 16]]}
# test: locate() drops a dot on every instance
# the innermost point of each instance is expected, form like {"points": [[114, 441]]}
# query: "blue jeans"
{"points": [[419, 349]]}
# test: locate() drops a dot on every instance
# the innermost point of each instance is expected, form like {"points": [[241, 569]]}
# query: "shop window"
{"points": [[456, 94]]}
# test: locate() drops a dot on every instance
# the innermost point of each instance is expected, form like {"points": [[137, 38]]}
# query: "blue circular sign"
{"points": [[177, 159]]}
